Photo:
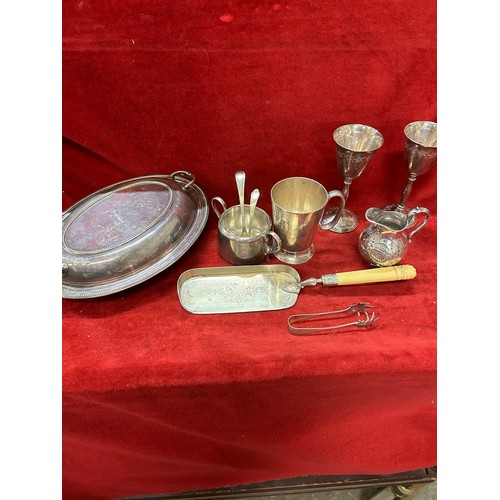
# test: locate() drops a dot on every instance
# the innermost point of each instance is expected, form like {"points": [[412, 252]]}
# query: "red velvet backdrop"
{"points": [[159, 400]]}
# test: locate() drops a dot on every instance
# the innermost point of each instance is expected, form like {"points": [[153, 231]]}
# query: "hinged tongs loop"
{"points": [[359, 309]]}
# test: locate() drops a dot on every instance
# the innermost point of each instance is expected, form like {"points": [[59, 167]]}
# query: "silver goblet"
{"points": [[356, 145], [420, 154]]}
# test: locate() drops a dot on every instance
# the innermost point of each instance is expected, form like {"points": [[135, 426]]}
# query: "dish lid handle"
{"points": [[184, 175]]}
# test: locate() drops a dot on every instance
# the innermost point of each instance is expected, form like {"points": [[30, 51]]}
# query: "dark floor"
{"points": [[424, 492]]}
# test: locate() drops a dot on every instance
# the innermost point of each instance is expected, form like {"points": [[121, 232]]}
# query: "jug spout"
{"points": [[388, 219]]}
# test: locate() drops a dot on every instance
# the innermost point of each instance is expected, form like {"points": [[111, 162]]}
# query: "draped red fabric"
{"points": [[158, 400]]}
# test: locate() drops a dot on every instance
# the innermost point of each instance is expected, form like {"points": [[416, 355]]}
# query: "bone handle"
{"points": [[379, 275]]}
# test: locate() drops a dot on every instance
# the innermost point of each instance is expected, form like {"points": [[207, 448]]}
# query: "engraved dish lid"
{"points": [[128, 232]]}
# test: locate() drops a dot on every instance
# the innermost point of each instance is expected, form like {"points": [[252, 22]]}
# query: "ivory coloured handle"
{"points": [[378, 275]]}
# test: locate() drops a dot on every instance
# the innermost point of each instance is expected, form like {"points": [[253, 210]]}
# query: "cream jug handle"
{"points": [[415, 211]]}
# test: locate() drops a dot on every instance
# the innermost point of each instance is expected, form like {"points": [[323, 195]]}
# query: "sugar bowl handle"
{"points": [[222, 203], [273, 242]]}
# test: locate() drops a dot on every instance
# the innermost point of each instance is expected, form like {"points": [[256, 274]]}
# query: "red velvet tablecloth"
{"points": [[158, 400]]}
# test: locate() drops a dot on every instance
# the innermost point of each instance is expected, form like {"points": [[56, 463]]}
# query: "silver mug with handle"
{"points": [[253, 246], [298, 211]]}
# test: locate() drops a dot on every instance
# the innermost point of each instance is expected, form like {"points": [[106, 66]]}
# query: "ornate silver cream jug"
{"points": [[384, 242]]}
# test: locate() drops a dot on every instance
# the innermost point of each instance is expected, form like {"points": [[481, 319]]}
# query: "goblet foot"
{"points": [[348, 221], [393, 207], [295, 257]]}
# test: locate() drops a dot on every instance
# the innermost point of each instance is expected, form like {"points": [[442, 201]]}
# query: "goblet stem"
{"points": [[409, 185], [345, 191]]}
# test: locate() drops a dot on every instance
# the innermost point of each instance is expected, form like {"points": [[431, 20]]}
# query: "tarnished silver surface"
{"points": [[384, 242], [229, 289], [126, 233], [356, 145]]}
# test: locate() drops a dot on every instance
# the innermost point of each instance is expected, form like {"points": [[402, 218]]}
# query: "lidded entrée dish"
{"points": [[128, 232]]}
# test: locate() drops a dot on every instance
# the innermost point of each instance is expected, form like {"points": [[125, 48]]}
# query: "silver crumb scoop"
{"points": [[236, 289]]}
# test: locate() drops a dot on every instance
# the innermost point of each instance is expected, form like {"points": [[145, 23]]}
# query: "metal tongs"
{"points": [[359, 309]]}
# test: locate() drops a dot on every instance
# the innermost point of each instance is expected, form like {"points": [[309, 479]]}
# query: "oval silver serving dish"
{"points": [[128, 232]]}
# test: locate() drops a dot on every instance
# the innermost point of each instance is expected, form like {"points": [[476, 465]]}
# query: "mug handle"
{"points": [[415, 211], [222, 203], [327, 222], [274, 245]]}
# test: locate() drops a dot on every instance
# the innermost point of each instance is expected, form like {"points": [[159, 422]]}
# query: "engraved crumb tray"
{"points": [[128, 232], [235, 289]]}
